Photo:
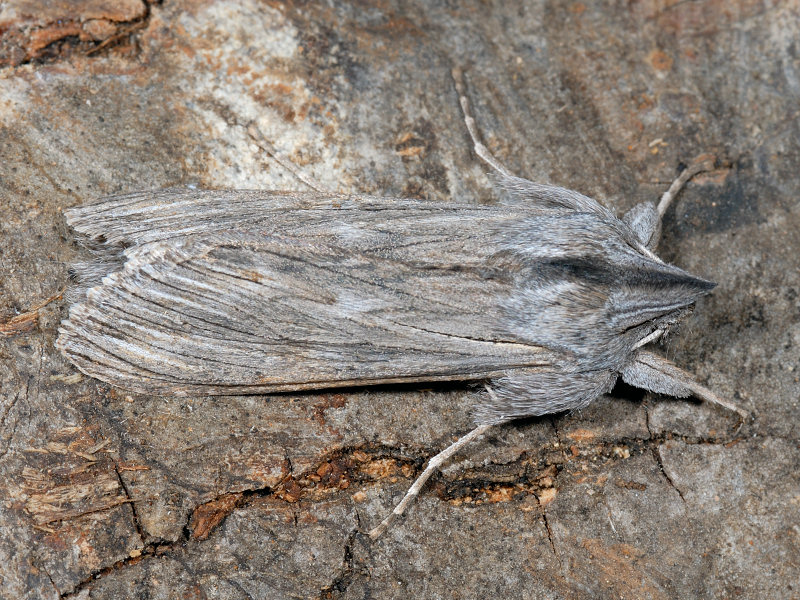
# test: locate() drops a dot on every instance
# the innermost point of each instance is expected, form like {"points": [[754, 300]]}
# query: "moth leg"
{"points": [[433, 464], [481, 150], [263, 143], [645, 218], [649, 338], [652, 372]]}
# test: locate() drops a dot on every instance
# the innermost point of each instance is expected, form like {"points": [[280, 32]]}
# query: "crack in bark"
{"points": [[341, 582], [656, 441], [288, 460], [98, 573], [131, 502], [549, 532], [545, 519], [661, 468], [52, 582]]}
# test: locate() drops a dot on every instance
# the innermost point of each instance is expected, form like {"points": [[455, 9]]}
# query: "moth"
{"points": [[547, 297]]}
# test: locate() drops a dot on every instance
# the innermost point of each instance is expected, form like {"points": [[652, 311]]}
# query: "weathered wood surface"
{"points": [[105, 494]]}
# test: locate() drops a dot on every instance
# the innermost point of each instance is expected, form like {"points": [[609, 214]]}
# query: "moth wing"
{"points": [[347, 297], [142, 217]]}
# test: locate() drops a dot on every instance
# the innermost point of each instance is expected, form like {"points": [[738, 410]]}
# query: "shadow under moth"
{"points": [[547, 297]]}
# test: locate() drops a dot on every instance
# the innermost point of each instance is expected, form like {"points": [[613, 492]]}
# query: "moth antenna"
{"points": [[699, 165], [262, 142], [481, 150], [433, 464]]}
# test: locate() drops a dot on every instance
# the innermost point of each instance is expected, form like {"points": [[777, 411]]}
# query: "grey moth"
{"points": [[547, 296]]}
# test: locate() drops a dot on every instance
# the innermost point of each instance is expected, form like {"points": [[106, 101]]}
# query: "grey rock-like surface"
{"points": [[106, 494]]}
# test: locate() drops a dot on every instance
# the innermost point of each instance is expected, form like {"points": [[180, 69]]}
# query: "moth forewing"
{"points": [[310, 298]]}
